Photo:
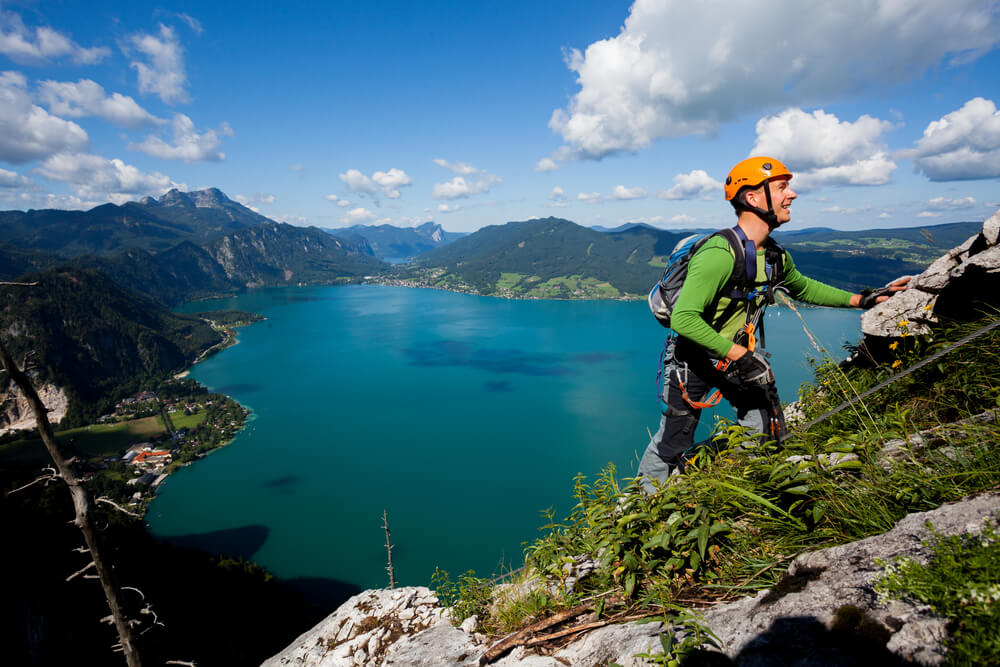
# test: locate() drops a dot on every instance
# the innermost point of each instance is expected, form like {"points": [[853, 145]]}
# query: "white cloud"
{"points": [[189, 145], [29, 132], [621, 192], [962, 145], [357, 182], [820, 149], [391, 181], [87, 98], [17, 42], [460, 168], [683, 219], [546, 164], [358, 215], [297, 168], [333, 198], [343, 203], [928, 214], [810, 141], [164, 73], [12, 179], [883, 215], [41, 200], [697, 183], [947, 204], [558, 194], [589, 197], [192, 23], [448, 208], [846, 210], [680, 68], [94, 177], [459, 188], [255, 199]]}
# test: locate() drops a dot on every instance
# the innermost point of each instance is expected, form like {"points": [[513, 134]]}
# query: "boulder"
{"points": [[967, 273]]}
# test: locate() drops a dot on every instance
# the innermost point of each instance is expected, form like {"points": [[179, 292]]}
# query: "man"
{"points": [[716, 324]]}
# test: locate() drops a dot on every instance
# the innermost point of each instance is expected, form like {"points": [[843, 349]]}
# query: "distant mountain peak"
{"points": [[207, 198]]}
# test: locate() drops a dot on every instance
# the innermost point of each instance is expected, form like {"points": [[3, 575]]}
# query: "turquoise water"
{"points": [[462, 416]]}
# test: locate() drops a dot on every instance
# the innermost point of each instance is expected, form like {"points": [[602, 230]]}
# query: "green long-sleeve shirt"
{"points": [[694, 317]]}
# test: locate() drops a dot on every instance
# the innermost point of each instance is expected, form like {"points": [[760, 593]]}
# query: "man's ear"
{"points": [[754, 197]]}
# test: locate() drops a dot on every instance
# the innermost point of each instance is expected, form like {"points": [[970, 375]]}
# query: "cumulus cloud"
{"points": [[683, 219], [41, 200], [358, 215], [962, 145], [87, 98], [621, 192], [928, 214], [358, 182], [589, 197], [339, 201], [546, 164], [695, 184], [884, 215], [18, 43], [11, 179], [558, 194], [94, 177], [947, 204], [460, 168], [846, 210], [29, 132], [189, 145], [163, 74], [448, 208], [672, 69], [390, 181], [823, 150], [461, 187]]}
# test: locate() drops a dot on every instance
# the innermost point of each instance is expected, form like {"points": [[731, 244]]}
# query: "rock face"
{"points": [[824, 611], [969, 272], [16, 414]]}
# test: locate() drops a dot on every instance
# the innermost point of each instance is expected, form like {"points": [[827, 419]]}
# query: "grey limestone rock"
{"points": [[973, 265]]}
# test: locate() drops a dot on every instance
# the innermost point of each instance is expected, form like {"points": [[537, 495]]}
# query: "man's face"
{"points": [[782, 196]]}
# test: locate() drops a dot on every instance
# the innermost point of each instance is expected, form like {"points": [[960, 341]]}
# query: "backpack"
{"points": [[741, 285]]}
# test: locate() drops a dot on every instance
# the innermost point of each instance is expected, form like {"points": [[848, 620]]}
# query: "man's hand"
{"points": [[751, 368], [869, 298]]}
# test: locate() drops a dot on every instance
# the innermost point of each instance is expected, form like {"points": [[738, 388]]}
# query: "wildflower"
{"points": [[897, 363], [893, 345], [903, 324], [928, 306]]}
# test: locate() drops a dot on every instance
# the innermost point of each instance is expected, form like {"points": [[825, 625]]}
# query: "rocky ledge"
{"points": [[824, 611]]}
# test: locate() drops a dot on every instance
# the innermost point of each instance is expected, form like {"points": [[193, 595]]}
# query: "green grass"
{"points": [[182, 420], [960, 583], [96, 440]]}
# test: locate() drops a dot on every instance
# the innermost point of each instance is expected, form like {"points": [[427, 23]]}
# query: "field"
{"points": [[96, 440]]}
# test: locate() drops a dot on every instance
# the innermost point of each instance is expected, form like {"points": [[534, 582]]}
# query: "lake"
{"points": [[461, 416]]}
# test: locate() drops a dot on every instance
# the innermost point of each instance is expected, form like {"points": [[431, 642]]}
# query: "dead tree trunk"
{"points": [[388, 549], [81, 503]]}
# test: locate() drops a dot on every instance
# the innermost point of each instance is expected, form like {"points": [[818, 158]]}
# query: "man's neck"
{"points": [[756, 229]]}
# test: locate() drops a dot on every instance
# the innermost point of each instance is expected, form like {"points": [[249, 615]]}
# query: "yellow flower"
{"points": [[897, 363], [894, 345], [928, 306], [904, 323]]}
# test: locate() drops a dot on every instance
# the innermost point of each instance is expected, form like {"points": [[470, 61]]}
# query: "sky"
{"points": [[478, 113]]}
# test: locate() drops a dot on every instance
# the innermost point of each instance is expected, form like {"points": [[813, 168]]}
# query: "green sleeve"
{"points": [[812, 291], [708, 272]]}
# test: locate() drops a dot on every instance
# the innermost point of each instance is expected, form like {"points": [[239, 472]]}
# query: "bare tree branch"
{"points": [[388, 548], [50, 477], [80, 571], [118, 507], [19, 284]]}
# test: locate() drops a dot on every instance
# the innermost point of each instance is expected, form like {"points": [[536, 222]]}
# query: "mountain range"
{"points": [[398, 244]]}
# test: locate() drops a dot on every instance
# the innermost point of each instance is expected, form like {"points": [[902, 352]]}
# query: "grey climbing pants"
{"points": [[675, 437]]}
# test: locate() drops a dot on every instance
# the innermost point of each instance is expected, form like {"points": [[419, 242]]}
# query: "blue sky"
{"points": [[472, 114]]}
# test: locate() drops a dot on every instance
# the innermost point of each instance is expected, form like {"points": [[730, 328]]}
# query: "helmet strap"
{"points": [[768, 216]]}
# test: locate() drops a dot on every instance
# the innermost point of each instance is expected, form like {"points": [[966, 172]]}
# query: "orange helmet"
{"points": [[752, 172]]}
